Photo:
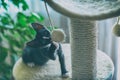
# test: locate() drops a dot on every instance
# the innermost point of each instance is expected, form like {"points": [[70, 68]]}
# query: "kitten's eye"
{"points": [[44, 37]]}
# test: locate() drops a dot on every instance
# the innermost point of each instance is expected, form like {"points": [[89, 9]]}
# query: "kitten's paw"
{"points": [[31, 64], [56, 45], [66, 75]]}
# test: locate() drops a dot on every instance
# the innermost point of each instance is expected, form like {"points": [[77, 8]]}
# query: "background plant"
{"points": [[13, 35]]}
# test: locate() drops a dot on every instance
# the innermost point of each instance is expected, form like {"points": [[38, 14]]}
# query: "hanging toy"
{"points": [[116, 28], [57, 35]]}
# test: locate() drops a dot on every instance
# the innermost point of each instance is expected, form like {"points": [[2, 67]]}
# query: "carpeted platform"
{"points": [[51, 71]]}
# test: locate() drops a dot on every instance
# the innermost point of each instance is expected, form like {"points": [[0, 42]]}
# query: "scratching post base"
{"points": [[51, 71]]}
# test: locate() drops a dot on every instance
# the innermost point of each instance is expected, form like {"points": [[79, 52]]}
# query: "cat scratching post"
{"points": [[83, 46], [82, 14]]}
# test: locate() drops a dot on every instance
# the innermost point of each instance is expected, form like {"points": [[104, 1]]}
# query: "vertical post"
{"points": [[84, 49]]}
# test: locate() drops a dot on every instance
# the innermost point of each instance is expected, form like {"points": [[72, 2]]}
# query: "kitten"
{"points": [[42, 48]]}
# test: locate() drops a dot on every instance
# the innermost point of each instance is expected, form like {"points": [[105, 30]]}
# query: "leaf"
{"points": [[0, 39], [3, 54], [37, 17], [21, 19], [32, 32], [2, 78], [9, 17], [18, 2], [21, 15], [1, 30], [14, 58], [34, 17], [41, 17], [5, 69], [24, 6], [4, 4], [5, 20]]}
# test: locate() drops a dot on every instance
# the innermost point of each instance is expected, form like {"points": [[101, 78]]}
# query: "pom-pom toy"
{"points": [[116, 28], [58, 35]]}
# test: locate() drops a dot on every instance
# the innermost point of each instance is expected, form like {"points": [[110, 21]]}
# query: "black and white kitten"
{"points": [[42, 48]]}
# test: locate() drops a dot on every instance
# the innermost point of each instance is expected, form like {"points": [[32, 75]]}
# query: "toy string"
{"points": [[50, 21]]}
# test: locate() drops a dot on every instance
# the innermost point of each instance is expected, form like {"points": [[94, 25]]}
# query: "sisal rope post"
{"points": [[83, 49]]}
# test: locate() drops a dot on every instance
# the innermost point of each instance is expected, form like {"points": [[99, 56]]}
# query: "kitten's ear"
{"points": [[37, 26]]}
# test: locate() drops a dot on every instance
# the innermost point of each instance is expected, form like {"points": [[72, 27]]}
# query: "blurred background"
{"points": [[15, 31]]}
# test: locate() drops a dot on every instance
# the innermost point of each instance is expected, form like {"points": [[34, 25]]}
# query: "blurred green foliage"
{"points": [[13, 35]]}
